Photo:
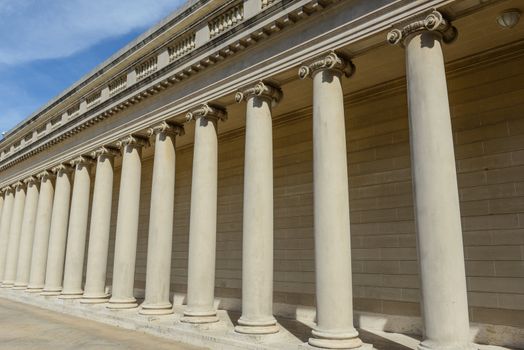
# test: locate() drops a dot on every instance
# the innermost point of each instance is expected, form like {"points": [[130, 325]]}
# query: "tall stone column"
{"points": [[98, 249], [42, 229], [76, 235], [437, 212], [160, 241], [127, 224], [58, 231], [15, 229], [257, 240], [27, 234], [5, 223], [334, 329], [203, 217]]}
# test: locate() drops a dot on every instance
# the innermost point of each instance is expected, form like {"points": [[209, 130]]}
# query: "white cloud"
{"points": [[37, 29]]}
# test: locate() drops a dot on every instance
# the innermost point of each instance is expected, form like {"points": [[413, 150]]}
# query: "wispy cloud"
{"points": [[36, 29]]}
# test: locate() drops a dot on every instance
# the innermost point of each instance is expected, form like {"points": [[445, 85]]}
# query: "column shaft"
{"points": [[76, 235], [58, 232], [439, 233], [203, 224], [95, 287], [334, 328], [5, 223], [159, 245], [42, 229], [27, 235], [127, 227], [257, 247], [14, 237]]}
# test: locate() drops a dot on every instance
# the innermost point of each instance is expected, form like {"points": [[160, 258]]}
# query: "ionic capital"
{"points": [[61, 169], [108, 152], [133, 140], [17, 185], [261, 89], [208, 111], [7, 190], [82, 161], [167, 128], [433, 22], [45, 175], [331, 61], [31, 180]]}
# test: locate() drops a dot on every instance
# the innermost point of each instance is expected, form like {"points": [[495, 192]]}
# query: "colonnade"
{"points": [[44, 220]]}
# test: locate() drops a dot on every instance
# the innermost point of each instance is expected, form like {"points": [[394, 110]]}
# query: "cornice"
{"points": [[176, 72]]}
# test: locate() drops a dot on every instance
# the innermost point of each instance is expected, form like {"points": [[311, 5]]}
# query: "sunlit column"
{"points": [[15, 229], [203, 217], [98, 249], [27, 234], [5, 223], [76, 235], [437, 212], [42, 229], [58, 232], [127, 224], [257, 238]]}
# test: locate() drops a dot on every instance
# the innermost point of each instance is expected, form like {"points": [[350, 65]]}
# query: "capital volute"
{"points": [[331, 61], [18, 185], [62, 169], [433, 22], [31, 180], [209, 111], [261, 89], [7, 190], [133, 140], [105, 151], [45, 175], [81, 161], [167, 128]]}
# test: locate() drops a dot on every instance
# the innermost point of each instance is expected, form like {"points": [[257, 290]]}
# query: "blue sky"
{"points": [[47, 45]]}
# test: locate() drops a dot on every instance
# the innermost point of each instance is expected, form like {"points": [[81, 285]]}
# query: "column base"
{"points": [[199, 317], [31, 289], [268, 326], [94, 299], [20, 286], [119, 304], [432, 345], [70, 295], [7, 284], [336, 340], [51, 292], [156, 309]]}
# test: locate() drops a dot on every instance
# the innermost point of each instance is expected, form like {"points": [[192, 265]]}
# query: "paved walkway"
{"points": [[24, 327]]}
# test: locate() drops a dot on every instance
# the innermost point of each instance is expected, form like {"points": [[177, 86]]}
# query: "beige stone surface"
{"points": [[24, 327]]}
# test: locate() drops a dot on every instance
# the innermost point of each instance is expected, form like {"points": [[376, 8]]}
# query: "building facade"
{"points": [[330, 164]]}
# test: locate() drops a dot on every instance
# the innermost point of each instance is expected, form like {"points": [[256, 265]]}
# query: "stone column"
{"points": [[127, 224], [334, 329], [5, 223], [27, 234], [437, 212], [13, 243], [58, 231], [257, 240], [76, 235], [160, 240], [203, 217], [42, 229], [95, 286]]}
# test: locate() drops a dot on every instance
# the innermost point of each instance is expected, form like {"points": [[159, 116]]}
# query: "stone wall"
{"points": [[488, 125]]}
